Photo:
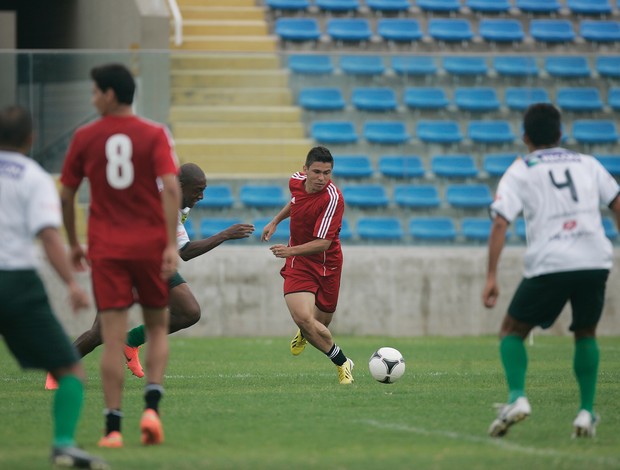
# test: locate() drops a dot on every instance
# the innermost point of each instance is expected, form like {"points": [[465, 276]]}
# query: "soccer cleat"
{"points": [[585, 424], [113, 440], [345, 372], [72, 457], [508, 415], [50, 382], [152, 430], [298, 344], [133, 361]]}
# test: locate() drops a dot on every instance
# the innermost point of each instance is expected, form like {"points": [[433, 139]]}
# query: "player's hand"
{"points": [[78, 297], [78, 259], [280, 251], [169, 262], [237, 231], [490, 293], [268, 231]]}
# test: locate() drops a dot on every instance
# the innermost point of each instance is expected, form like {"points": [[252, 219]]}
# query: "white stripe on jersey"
{"points": [[329, 213], [298, 176]]}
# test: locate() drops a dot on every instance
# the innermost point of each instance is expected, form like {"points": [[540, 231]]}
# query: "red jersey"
{"points": [[316, 215], [122, 157]]}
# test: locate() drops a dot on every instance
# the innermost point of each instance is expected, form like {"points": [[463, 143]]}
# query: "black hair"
{"points": [[15, 127], [542, 124], [190, 173], [319, 154], [118, 78]]}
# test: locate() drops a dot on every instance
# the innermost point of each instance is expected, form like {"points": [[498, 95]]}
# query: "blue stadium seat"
{"points": [[518, 98], [476, 228], [401, 166], [465, 65], [212, 226], [388, 5], [345, 230], [450, 30], [362, 65], [567, 66], [418, 196], [544, 30], [501, 30], [386, 132], [490, 132], [600, 31], [515, 66], [338, 5], [611, 163], [439, 5], [333, 132], [584, 99], [380, 229], [426, 98], [489, 6], [538, 6], [321, 99], [608, 66], [311, 64], [365, 195], [414, 65], [441, 132], [520, 228], [470, 196], [189, 228], [262, 196], [589, 7], [496, 164], [282, 233], [399, 29], [349, 29], [479, 99], [217, 196], [432, 228], [288, 5], [298, 29], [352, 166], [613, 98], [593, 131], [454, 166], [611, 231], [374, 99]]}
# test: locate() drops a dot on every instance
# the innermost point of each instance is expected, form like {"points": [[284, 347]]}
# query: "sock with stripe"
{"points": [[336, 355], [152, 395]]}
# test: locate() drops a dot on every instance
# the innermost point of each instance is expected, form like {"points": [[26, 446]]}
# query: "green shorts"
{"points": [[30, 329], [540, 300], [176, 280]]}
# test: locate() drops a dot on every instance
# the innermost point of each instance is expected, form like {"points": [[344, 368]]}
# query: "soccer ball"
{"points": [[386, 365]]}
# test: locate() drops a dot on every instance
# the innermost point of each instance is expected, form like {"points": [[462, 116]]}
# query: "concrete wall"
{"points": [[394, 291]]}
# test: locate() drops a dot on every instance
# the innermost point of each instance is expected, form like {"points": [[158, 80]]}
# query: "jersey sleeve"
{"points": [[166, 161], [507, 201], [43, 204], [607, 185], [182, 236], [72, 172], [330, 220]]}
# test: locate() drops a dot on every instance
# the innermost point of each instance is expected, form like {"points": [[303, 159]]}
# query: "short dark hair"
{"points": [[319, 154], [542, 124], [15, 127], [118, 78]]}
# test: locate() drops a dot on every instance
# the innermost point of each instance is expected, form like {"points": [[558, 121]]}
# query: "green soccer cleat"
{"points": [[298, 344], [345, 372]]}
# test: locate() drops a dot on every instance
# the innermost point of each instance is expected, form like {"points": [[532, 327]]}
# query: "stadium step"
{"points": [[278, 130], [229, 78], [225, 27], [258, 114], [275, 165], [234, 147], [232, 96], [241, 62], [217, 3], [222, 13], [226, 43]]}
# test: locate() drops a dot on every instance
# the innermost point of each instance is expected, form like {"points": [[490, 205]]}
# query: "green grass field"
{"points": [[248, 404]]}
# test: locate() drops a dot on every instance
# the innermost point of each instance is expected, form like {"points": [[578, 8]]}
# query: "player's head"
{"points": [[318, 168], [542, 125], [113, 85], [319, 154], [15, 129], [193, 183]]}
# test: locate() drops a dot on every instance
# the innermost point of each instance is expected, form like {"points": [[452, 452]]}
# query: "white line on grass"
{"points": [[494, 442]]}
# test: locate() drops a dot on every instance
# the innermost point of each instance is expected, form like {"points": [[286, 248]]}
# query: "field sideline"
{"points": [[246, 403]]}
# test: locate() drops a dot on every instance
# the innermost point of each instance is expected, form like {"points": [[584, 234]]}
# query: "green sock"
{"points": [[585, 365], [136, 337], [514, 359], [66, 410]]}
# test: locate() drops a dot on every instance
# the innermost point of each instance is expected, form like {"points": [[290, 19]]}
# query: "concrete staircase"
{"points": [[232, 111]]}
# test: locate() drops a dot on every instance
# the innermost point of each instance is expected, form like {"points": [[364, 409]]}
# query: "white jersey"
{"points": [[182, 237], [560, 193], [29, 202]]}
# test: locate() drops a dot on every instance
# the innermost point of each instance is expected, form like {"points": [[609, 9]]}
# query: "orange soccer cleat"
{"points": [[133, 361], [151, 427], [50, 382], [112, 440]]}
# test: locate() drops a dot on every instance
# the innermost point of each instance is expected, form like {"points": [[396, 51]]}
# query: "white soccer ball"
{"points": [[386, 365]]}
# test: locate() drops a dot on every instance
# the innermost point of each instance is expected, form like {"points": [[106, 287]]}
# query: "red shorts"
{"points": [[118, 283], [322, 281]]}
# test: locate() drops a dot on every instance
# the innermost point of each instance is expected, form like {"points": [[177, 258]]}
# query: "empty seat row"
{"points": [[573, 66], [579, 7], [474, 99], [447, 30], [585, 131]]}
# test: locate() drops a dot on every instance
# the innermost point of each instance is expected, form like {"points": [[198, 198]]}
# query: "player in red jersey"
{"points": [[131, 234], [313, 257]]}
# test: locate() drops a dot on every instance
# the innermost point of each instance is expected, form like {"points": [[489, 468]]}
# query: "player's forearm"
{"points": [[200, 247], [67, 198], [311, 248], [285, 213], [496, 245], [55, 250]]}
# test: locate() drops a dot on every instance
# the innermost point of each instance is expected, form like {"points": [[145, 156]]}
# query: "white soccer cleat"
{"points": [[585, 424], [508, 415]]}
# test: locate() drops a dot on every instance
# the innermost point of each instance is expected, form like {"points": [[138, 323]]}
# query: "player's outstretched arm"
{"points": [[199, 247], [318, 245], [270, 228]]}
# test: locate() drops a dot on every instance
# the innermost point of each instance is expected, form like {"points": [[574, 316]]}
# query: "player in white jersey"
{"points": [[29, 209], [568, 258]]}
